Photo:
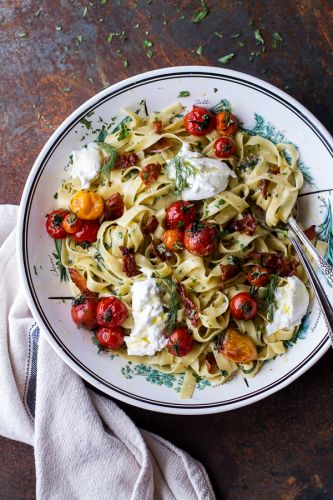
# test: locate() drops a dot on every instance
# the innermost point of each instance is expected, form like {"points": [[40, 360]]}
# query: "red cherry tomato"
{"points": [[257, 276], [173, 239], [111, 312], [180, 214], [84, 312], [226, 123], [54, 224], [87, 232], [180, 342], [237, 347], [114, 207], [243, 306], [110, 338], [201, 238], [199, 121], [71, 223], [224, 147]]}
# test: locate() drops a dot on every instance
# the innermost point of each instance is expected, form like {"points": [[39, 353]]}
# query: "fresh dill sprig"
{"points": [[170, 287], [269, 297], [183, 170], [111, 157], [57, 255]]}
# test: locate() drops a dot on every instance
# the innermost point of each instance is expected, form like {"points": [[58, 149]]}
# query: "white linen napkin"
{"points": [[85, 446]]}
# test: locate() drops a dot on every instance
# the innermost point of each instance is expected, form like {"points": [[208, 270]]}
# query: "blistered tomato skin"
{"points": [[111, 312], [199, 121], [54, 224], [257, 276], [180, 214], [238, 347], [201, 238], [180, 342], [87, 205], [243, 306], [173, 239], [84, 312], [87, 232], [224, 147], [226, 123], [110, 338]]}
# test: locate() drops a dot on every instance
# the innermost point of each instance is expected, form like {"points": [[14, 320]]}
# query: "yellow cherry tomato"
{"points": [[238, 347], [87, 205]]}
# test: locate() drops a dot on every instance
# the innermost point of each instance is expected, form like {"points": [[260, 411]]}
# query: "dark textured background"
{"points": [[279, 448]]}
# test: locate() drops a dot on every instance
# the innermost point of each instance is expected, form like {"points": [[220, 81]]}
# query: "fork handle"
{"points": [[319, 291], [324, 266]]}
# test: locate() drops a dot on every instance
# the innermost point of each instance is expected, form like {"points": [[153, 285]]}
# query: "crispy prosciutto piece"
{"points": [[129, 265], [157, 127], [126, 160], [210, 362], [263, 186], [80, 281], [191, 310], [310, 232], [228, 271], [161, 145], [151, 225], [276, 263], [245, 225]]}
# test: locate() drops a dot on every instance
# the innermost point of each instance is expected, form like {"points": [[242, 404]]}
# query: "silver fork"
{"points": [[294, 232]]}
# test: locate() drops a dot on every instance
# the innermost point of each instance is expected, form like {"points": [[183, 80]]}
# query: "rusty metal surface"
{"points": [[54, 55]]}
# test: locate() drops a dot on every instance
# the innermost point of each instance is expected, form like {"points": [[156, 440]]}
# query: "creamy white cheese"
{"points": [[210, 178], [86, 164], [149, 319], [291, 303]]}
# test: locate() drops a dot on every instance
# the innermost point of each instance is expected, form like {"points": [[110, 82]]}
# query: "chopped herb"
{"points": [[111, 158], [170, 287], [85, 10], [126, 63], [269, 297], [150, 53], [86, 123], [258, 37], [147, 44], [183, 170], [55, 196], [102, 134], [254, 291], [236, 35], [110, 37], [227, 58], [201, 14], [136, 26], [241, 44], [57, 255], [22, 35], [124, 131], [183, 93], [220, 35], [58, 28], [78, 39], [199, 50], [276, 37], [66, 89]]}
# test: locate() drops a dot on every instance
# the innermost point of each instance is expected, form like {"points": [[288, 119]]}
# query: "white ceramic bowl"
{"points": [[262, 108]]}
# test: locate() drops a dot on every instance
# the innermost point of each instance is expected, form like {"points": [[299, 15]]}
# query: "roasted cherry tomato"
{"points": [[84, 312], [224, 147], [201, 238], [226, 123], [173, 239], [110, 338], [111, 312], [180, 342], [87, 205], [199, 121], [150, 173], [114, 207], [180, 214], [237, 347], [243, 306], [54, 224], [87, 232], [71, 223], [257, 276]]}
